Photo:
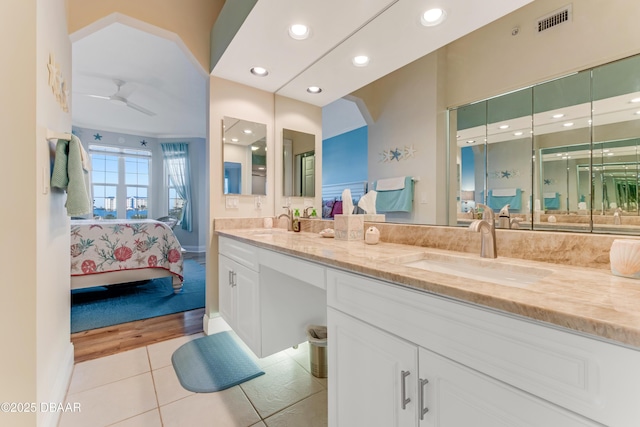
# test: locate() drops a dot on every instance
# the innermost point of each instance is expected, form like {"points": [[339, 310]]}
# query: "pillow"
{"points": [[337, 208]]}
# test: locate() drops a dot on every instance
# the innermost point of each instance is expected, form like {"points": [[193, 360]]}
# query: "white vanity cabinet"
{"points": [[239, 292], [400, 357], [269, 298]]}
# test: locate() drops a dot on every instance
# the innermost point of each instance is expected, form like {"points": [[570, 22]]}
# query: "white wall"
{"points": [[37, 356], [406, 107], [18, 123]]}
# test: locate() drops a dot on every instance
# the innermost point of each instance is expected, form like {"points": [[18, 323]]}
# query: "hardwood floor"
{"points": [[127, 336]]}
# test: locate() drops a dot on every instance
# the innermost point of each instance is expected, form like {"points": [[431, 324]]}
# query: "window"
{"points": [[176, 203], [120, 179]]}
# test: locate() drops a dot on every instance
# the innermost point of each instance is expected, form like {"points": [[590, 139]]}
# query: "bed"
{"points": [[111, 252]]}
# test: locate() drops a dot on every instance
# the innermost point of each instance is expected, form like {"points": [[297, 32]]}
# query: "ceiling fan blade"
{"points": [[141, 109], [96, 96]]}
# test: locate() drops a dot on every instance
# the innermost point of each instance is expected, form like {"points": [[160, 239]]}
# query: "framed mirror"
{"points": [[244, 157], [298, 164]]}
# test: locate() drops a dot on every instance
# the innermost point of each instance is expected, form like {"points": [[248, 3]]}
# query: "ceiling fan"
{"points": [[120, 97]]}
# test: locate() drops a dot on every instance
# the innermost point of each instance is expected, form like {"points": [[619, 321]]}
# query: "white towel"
{"points": [[390, 184], [503, 192], [550, 195]]}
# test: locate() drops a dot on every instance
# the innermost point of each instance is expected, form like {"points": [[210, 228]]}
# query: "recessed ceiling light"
{"points": [[517, 133], [433, 17], [299, 31], [638, 112], [259, 71], [559, 154], [635, 100], [254, 148], [471, 141], [234, 139], [569, 124], [504, 127], [558, 116], [314, 89], [360, 61], [609, 154], [261, 168], [605, 151], [247, 131]]}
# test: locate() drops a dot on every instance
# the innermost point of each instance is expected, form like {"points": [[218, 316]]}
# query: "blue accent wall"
{"points": [[345, 157]]}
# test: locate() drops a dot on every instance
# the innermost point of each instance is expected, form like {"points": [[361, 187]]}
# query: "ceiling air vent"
{"points": [[554, 19]]}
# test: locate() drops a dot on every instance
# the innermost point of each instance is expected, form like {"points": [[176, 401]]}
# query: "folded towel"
{"points": [[504, 192], [550, 195], [391, 184], [368, 202], [498, 202], [396, 200]]}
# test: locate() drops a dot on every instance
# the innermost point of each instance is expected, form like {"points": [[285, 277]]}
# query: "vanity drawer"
{"points": [[596, 379], [305, 271], [241, 253]]}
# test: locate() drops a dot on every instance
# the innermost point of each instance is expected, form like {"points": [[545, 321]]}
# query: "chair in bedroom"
{"points": [[171, 221]]}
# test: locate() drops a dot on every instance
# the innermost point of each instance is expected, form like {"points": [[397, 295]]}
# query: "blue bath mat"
{"points": [[213, 363]]}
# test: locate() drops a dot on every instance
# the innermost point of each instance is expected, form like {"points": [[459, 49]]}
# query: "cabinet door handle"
{"points": [[423, 410], [234, 275], [230, 277], [405, 399]]}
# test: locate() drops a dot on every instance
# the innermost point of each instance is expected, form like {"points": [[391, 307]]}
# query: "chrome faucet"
{"points": [[487, 229], [289, 216], [616, 216], [305, 212]]}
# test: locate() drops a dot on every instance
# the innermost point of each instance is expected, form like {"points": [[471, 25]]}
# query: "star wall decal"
{"points": [[97, 137], [409, 151], [395, 154], [143, 143], [547, 182], [506, 174], [384, 156]]}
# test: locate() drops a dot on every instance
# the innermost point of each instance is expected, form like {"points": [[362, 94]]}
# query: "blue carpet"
{"points": [[213, 363], [105, 306]]}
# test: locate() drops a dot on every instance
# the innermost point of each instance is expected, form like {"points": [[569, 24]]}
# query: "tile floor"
{"points": [[140, 388]]}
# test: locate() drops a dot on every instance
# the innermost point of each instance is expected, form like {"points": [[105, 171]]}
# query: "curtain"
{"points": [[176, 158]]}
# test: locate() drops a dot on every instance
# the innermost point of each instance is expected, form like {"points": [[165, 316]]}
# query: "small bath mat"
{"points": [[213, 363]]}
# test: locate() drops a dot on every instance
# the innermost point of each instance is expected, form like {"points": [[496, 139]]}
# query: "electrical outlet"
{"points": [[258, 202]]}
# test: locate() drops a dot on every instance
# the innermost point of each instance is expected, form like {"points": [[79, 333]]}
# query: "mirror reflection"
{"points": [[298, 159], [562, 154], [244, 157]]}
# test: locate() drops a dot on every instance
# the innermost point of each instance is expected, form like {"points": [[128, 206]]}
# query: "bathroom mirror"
{"points": [[298, 160], [569, 145], [244, 157]]}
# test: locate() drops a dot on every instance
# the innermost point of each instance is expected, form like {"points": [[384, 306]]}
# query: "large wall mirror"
{"points": [[299, 166], [244, 157], [562, 154]]}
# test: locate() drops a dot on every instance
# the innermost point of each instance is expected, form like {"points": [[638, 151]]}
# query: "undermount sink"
{"points": [[270, 231], [486, 270]]}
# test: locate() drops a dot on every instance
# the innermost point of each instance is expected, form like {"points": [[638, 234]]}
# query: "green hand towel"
{"points": [[69, 175]]}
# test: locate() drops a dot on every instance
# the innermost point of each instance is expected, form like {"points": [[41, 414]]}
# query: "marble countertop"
{"points": [[587, 300]]}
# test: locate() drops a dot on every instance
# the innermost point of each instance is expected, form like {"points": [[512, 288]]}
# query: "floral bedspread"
{"points": [[99, 246]]}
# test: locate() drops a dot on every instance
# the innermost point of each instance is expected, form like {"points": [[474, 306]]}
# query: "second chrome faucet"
{"points": [[487, 229]]}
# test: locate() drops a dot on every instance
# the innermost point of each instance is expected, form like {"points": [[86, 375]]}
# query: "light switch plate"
{"points": [[424, 198], [231, 202]]}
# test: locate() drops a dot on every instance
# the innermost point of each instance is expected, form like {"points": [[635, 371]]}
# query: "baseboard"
{"points": [[215, 324], [59, 393], [194, 248]]}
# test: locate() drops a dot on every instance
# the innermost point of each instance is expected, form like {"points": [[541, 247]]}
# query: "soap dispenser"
{"points": [[504, 218], [296, 220]]}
